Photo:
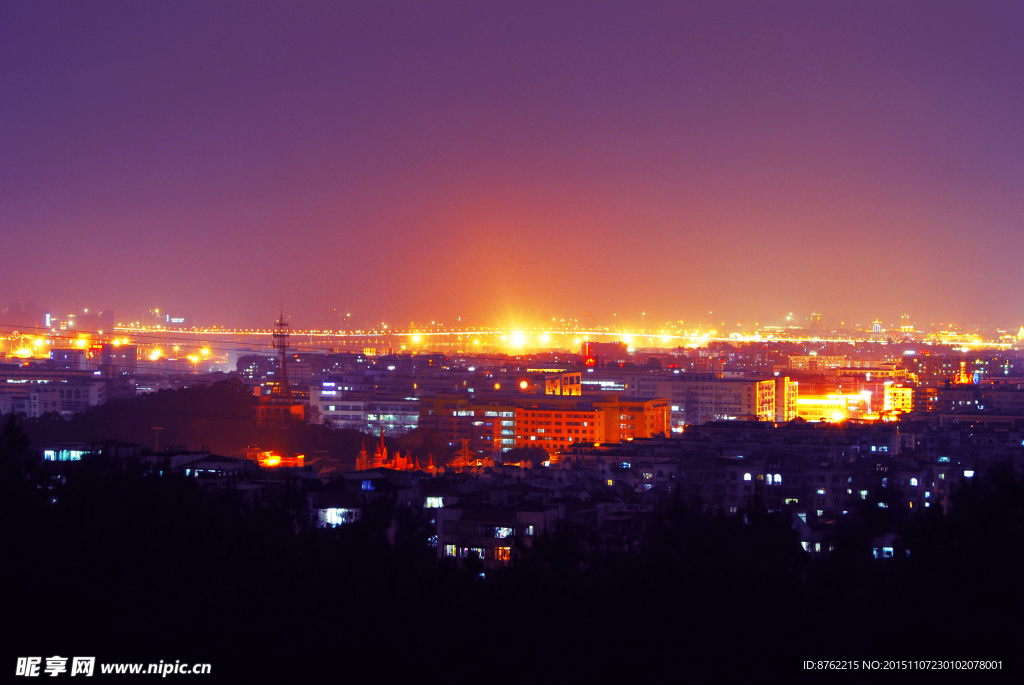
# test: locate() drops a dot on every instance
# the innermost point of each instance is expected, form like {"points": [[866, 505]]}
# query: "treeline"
{"points": [[220, 417], [103, 560]]}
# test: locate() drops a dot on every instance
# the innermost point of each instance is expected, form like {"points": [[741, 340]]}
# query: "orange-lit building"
{"points": [[564, 383], [499, 423], [487, 422], [548, 382], [556, 427], [787, 394], [899, 399], [823, 408], [627, 419]]}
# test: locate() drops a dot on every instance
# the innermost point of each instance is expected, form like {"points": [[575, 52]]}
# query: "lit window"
{"points": [[913, 482], [746, 476]]}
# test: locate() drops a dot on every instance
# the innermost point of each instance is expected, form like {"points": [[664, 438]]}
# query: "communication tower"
{"points": [[281, 344]]}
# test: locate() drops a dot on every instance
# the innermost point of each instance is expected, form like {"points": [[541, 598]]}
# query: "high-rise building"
{"points": [[787, 394]]}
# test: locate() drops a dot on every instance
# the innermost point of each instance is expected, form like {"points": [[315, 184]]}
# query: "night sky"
{"points": [[514, 161]]}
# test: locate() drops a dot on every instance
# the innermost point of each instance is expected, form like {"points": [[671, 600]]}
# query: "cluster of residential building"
{"points": [[817, 474], [397, 393]]}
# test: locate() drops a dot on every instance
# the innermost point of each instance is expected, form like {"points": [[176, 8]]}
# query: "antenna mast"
{"points": [[281, 344]]}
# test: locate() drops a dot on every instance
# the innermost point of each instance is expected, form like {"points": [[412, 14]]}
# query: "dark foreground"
{"points": [[135, 568]]}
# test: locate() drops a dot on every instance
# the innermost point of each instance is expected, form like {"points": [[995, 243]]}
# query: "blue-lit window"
{"points": [[368, 485]]}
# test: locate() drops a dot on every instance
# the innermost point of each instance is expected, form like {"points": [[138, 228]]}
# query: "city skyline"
{"points": [[32, 317], [506, 163], [527, 340], [183, 319]]}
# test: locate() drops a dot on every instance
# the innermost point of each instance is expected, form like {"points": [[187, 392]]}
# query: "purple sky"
{"points": [[514, 161]]}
